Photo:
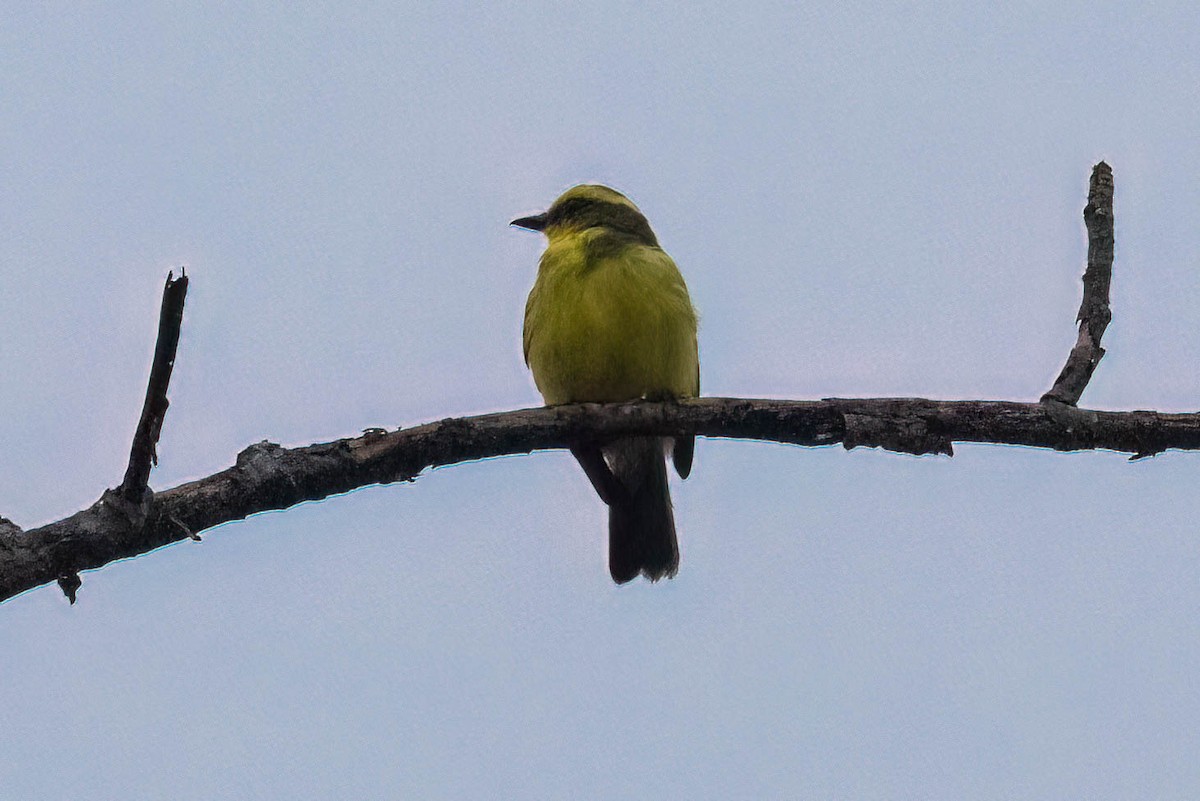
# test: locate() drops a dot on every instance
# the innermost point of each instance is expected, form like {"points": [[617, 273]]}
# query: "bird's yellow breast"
{"points": [[609, 319]]}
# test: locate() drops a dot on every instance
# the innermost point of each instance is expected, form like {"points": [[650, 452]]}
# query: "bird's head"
{"points": [[590, 206]]}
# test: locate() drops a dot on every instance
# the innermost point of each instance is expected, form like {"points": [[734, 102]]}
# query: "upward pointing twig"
{"points": [[124, 511], [1094, 313], [143, 454]]}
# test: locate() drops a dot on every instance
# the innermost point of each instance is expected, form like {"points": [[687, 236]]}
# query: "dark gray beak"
{"points": [[535, 223]]}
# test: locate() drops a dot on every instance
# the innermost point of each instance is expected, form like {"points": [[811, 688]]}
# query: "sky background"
{"points": [[865, 199]]}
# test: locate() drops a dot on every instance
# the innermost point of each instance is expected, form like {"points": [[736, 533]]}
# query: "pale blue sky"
{"points": [[865, 200]]}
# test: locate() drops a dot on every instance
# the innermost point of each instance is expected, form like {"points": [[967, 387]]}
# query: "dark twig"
{"points": [[122, 512], [267, 476], [143, 454], [1094, 313]]}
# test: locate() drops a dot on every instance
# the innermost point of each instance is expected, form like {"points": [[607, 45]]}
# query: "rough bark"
{"points": [[267, 476]]}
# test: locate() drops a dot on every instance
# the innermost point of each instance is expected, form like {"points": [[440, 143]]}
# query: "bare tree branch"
{"points": [[143, 453], [267, 476], [1094, 313]]}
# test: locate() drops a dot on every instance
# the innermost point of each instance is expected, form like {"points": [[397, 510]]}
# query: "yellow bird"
{"points": [[609, 319]]}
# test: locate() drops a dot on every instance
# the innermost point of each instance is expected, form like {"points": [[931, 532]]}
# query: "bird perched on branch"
{"points": [[609, 319]]}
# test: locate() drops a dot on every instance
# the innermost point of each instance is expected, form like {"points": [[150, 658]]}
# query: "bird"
{"points": [[609, 319]]}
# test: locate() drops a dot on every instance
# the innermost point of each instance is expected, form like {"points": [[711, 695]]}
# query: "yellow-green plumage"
{"points": [[609, 322], [609, 319]]}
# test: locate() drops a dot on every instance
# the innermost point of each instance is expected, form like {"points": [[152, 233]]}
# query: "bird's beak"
{"points": [[535, 223]]}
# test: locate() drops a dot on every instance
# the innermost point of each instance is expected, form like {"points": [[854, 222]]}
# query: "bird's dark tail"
{"points": [[641, 526]]}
